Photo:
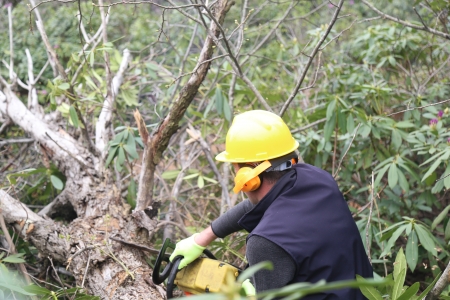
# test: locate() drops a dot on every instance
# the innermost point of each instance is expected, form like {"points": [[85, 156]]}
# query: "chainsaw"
{"points": [[203, 275]]}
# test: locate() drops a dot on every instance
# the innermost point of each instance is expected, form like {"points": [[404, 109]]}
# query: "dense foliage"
{"points": [[377, 105]]}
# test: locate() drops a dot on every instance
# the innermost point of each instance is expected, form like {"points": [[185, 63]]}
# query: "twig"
{"points": [[310, 60], [85, 271], [405, 23], [56, 273], [308, 126], [421, 20], [69, 260], [369, 220], [15, 141], [195, 134], [420, 107], [141, 247], [11, 45], [348, 148]]}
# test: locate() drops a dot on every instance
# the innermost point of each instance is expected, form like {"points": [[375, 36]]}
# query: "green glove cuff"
{"points": [[248, 287], [189, 249]]}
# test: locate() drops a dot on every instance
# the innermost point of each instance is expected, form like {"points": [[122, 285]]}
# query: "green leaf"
{"points": [[425, 239], [170, 174], [227, 111], [331, 109], [370, 292], [412, 250], [329, 128], [447, 231], [219, 100], [428, 289], [15, 258], [64, 86], [130, 147], [440, 217], [396, 139], [393, 175], [56, 182], [111, 155], [431, 169], [398, 284], [210, 179], [402, 181], [410, 292], [37, 290], [200, 182], [191, 176], [121, 156], [380, 175], [393, 239], [73, 116]]}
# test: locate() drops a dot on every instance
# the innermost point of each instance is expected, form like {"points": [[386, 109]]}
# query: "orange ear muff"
{"points": [[247, 179]]}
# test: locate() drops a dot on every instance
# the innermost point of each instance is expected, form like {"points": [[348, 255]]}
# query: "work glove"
{"points": [[187, 248], [248, 287]]}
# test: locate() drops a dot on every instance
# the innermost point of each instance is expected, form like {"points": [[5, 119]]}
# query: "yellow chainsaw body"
{"points": [[205, 275]]}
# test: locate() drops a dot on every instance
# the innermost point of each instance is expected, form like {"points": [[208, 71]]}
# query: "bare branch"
{"points": [[440, 285], [309, 125], [406, 23], [15, 141], [160, 139], [11, 45], [419, 107], [310, 60], [346, 151], [33, 103], [101, 129]]}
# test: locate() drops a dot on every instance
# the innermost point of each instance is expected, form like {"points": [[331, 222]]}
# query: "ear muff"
{"points": [[247, 178]]}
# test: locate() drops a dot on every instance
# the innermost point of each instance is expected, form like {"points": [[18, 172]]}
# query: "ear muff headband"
{"points": [[247, 179]]}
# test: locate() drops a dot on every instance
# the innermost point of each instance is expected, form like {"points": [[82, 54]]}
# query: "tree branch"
{"points": [[311, 57], [440, 285], [160, 139], [405, 23]]}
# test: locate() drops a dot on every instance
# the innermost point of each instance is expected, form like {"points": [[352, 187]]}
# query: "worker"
{"points": [[295, 214]]}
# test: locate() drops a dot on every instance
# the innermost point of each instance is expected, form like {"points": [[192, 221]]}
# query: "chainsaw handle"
{"points": [[172, 275], [158, 277]]}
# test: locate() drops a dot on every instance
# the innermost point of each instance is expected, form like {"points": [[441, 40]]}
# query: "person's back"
{"points": [[306, 215]]}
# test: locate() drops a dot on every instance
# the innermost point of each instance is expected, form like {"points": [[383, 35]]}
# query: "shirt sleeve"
{"points": [[228, 222], [260, 249]]}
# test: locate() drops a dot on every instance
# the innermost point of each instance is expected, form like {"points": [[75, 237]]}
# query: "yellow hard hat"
{"points": [[257, 135]]}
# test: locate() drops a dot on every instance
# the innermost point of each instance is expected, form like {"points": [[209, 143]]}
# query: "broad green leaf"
{"points": [[380, 175], [56, 182], [227, 111], [329, 128], [425, 239], [350, 124], [432, 169], [73, 117], [440, 217], [404, 124], [392, 175], [393, 239], [398, 284], [191, 176], [219, 100], [121, 156], [200, 182], [210, 179], [402, 181], [412, 250], [396, 139], [370, 292], [64, 86], [37, 290], [399, 265], [15, 258], [111, 155], [447, 231], [410, 292], [131, 150], [170, 174], [331, 109]]}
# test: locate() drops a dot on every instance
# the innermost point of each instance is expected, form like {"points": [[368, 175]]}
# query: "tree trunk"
{"points": [[88, 244]]}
